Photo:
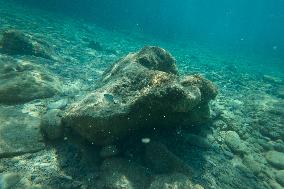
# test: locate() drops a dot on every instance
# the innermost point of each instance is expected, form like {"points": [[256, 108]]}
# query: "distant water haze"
{"points": [[244, 24]]}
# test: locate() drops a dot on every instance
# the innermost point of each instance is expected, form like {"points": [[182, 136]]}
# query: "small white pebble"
{"points": [[145, 140]]}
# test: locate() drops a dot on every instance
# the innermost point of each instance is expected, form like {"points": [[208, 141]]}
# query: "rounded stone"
{"points": [[276, 159], [250, 163], [234, 142]]}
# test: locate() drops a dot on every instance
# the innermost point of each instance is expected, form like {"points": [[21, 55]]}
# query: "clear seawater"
{"points": [[238, 45]]}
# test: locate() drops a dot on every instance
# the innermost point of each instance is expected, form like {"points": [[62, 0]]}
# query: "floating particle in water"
{"points": [[275, 48], [145, 140]]}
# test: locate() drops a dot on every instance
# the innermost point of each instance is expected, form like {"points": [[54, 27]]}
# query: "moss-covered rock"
{"points": [[22, 81], [141, 90]]}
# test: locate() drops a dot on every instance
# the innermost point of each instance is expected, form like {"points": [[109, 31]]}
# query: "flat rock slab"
{"points": [[19, 133]]}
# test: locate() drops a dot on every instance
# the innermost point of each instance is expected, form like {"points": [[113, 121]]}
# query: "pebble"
{"points": [[275, 158], [234, 142], [60, 104]]}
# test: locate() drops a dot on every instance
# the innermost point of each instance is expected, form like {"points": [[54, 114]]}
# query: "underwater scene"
{"points": [[141, 94]]}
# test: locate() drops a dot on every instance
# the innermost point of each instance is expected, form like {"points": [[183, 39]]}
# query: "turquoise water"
{"points": [[77, 112]]}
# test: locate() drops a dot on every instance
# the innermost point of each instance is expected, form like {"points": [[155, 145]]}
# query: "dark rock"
{"points": [[196, 140], [51, 124], [176, 181], [143, 90], [98, 47], [15, 42], [159, 159], [120, 173], [22, 81], [95, 45], [156, 59]]}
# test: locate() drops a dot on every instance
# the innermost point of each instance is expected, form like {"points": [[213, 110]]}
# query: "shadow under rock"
{"points": [[78, 161], [210, 165]]}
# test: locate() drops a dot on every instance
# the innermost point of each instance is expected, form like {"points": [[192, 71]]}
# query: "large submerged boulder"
{"points": [[14, 42], [141, 90], [22, 81]]}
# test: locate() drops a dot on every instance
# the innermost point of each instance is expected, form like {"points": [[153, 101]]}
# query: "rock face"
{"points": [[15, 42], [22, 81], [141, 90], [20, 135]]}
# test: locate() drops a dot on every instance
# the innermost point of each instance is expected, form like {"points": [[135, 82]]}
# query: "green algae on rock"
{"points": [[22, 81], [148, 93]]}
